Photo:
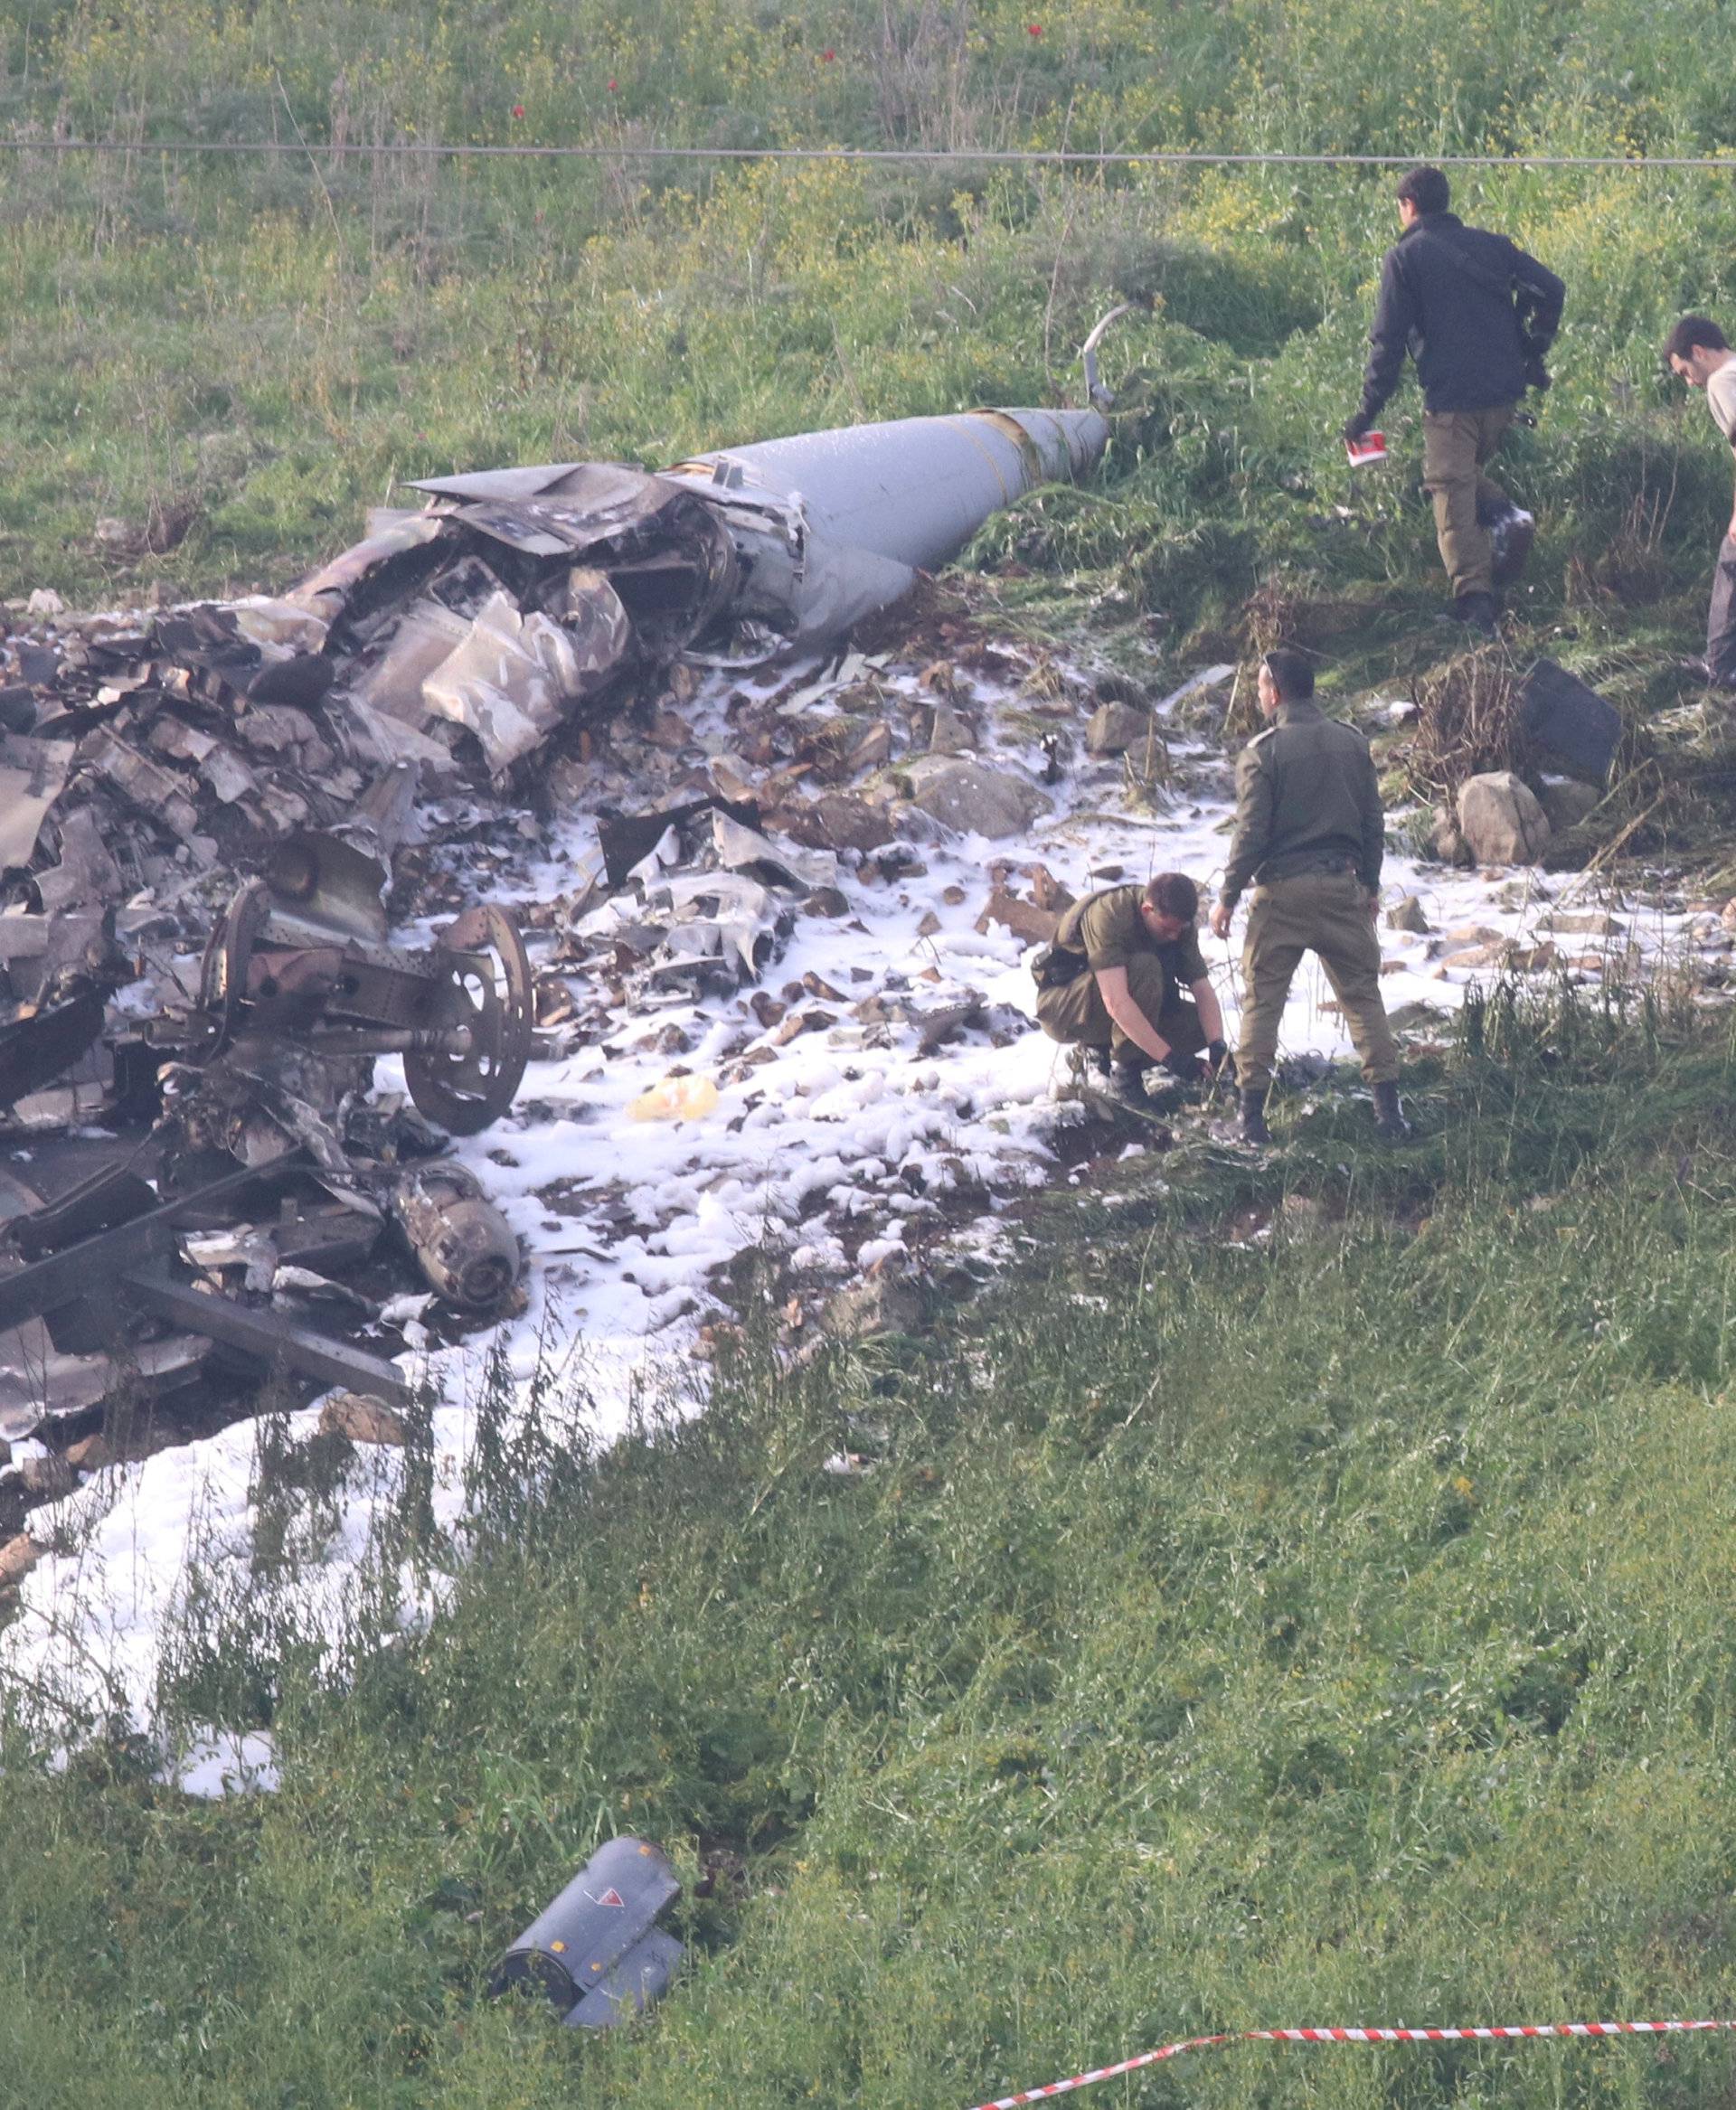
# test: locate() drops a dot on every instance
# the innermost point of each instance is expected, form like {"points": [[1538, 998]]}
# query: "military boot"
{"points": [[1253, 1115], [1478, 612], [1388, 1115]]}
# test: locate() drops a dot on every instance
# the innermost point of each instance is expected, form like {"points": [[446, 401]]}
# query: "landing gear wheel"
{"points": [[485, 987]]}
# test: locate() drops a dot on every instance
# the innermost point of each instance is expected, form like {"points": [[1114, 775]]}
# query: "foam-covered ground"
{"points": [[845, 1145]]}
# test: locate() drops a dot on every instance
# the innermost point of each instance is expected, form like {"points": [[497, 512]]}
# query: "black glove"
{"points": [[1357, 426], [1217, 1058], [1188, 1068]]}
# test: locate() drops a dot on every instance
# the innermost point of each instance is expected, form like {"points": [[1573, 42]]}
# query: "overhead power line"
{"points": [[1056, 157]]}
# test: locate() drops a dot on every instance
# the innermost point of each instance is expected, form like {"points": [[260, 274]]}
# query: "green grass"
{"points": [[1325, 1627]]}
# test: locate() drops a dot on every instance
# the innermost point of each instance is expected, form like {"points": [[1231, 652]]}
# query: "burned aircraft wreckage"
{"points": [[204, 813]]}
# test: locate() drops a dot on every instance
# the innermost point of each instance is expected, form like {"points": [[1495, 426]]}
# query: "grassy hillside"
{"points": [[1300, 1593], [227, 360], [1231, 1626]]}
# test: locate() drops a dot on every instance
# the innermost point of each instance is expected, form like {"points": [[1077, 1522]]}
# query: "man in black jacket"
{"points": [[1477, 315]]}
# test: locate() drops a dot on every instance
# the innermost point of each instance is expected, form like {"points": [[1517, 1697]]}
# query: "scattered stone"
{"points": [[953, 896], [950, 735], [802, 1022], [1585, 922], [1728, 915], [1446, 840], [44, 601], [1048, 892], [766, 1008], [887, 1305], [937, 1028], [836, 819], [1024, 919], [1407, 915], [18, 1556], [1500, 818], [1302, 1217], [362, 1417], [47, 1479], [91, 1453], [976, 800], [1410, 1018], [874, 751], [1567, 802], [1114, 728], [825, 901], [929, 924]]}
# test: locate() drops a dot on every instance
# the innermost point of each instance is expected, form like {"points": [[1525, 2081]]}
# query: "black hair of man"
{"points": [[1693, 334], [1427, 189], [1292, 676], [1173, 893]]}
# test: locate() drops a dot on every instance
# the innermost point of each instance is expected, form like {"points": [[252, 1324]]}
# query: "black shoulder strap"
{"points": [[1473, 266]]}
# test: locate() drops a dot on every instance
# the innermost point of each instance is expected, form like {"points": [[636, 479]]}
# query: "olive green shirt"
{"points": [[1109, 931], [1307, 800]]}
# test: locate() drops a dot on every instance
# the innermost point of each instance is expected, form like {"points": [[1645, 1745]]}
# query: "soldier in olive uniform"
{"points": [[1113, 982], [1310, 834]]}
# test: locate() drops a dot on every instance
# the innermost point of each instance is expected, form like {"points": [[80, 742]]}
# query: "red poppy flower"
{"points": [[1033, 29], [518, 110], [827, 57]]}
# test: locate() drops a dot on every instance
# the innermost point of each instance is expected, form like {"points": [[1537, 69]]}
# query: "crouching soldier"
{"points": [[1113, 983], [1310, 833]]}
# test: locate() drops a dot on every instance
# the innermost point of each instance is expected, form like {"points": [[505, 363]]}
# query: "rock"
{"points": [[1407, 915], [887, 1305], [1728, 915], [1501, 820], [766, 1009], [1567, 802], [1408, 1018], [1048, 892], [802, 1022], [1114, 728], [1302, 1217], [44, 601], [950, 734], [836, 819], [874, 751], [1445, 840], [362, 1417], [1024, 919], [1583, 922], [825, 901], [975, 799], [91, 1453], [18, 1556], [47, 1479]]}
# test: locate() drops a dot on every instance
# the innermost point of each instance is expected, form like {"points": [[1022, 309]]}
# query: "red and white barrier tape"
{"points": [[1491, 2033]]}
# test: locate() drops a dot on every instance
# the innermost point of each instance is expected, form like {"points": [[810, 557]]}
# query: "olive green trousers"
{"points": [[1454, 446], [1325, 913], [1077, 1013]]}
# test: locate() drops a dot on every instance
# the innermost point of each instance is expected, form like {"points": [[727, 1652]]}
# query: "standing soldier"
{"points": [[1477, 315], [1112, 983], [1310, 834], [1700, 354]]}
